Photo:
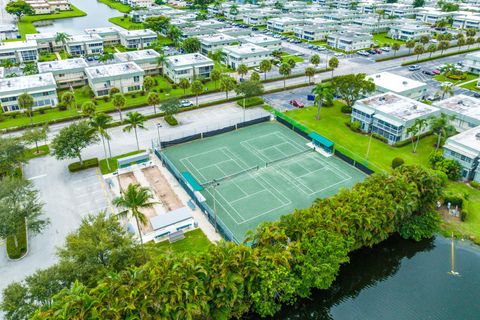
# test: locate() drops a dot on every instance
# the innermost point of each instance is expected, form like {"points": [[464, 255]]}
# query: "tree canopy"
{"points": [[71, 140], [352, 87]]}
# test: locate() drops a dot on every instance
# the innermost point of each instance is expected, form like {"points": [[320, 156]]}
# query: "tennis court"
{"points": [[260, 173]]}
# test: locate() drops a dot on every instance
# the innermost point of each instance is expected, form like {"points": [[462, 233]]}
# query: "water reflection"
{"points": [[399, 280]]}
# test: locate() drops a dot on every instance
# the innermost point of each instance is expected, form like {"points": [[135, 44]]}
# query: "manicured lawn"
{"points": [[113, 162], [286, 57], [49, 115], [195, 241], [332, 126], [42, 150], [471, 226], [126, 23], [382, 39], [471, 86], [443, 78], [47, 56], [117, 5]]}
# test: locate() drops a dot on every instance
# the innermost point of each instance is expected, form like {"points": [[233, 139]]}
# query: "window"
{"points": [[136, 79]]}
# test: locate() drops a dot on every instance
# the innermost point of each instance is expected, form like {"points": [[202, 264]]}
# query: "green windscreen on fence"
{"points": [[192, 181], [294, 123]]}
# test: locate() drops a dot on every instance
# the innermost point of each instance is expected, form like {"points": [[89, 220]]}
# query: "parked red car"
{"points": [[297, 103], [379, 51], [436, 71]]}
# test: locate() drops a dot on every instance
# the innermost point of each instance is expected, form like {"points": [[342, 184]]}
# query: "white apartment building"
{"points": [[466, 110], [19, 51], [197, 32], [408, 32], [84, 44], [432, 15], [210, 24], [67, 73], [48, 6], [314, 32], [261, 40], [137, 39], [283, 24], [40, 86], [467, 21], [374, 25], [390, 115], [45, 41], [407, 87], [140, 3], [350, 41], [249, 54], [472, 62], [126, 76], [216, 42], [8, 31], [342, 16], [146, 59], [465, 148], [235, 32], [190, 66], [110, 35]]}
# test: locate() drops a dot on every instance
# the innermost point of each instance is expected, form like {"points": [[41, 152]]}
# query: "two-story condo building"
{"points": [[407, 87], [465, 148], [350, 41], [190, 66], [263, 41], [249, 54], [390, 115], [126, 76], [469, 21], [146, 59], [67, 73], [110, 35], [283, 24], [41, 87], [8, 31], [408, 32], [466, 110], [19, 51], [84, 44], [46, 41], [216, 42], [472, 62], [137, 39]]}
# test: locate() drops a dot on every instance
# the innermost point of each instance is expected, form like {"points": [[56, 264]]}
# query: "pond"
{"points": [[401, 280], [97, 16]]}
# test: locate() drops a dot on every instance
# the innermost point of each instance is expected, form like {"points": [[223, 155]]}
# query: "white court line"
{"points": [[37, 177]]}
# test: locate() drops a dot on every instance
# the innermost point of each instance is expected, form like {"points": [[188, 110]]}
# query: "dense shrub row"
{"points": [[286, 260], [16, 252], [89, 163], [171, 120], [250, 102]]}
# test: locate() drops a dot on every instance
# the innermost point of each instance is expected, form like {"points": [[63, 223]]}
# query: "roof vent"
{"points": [[477, 135], [461, 102], [378, 76], [405, 83]]}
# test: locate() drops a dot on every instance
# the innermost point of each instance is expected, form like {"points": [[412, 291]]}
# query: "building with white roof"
{"points": [[41, 87], [283, 24], [197, 32], [67, 73], [19, 51], [262, 40], [466, 110], [215, 42], [45, 41], [407, 87], [235, 31], [137, 39], [126, 76], [190, 66], [248, 54], [472, 62], [409, 31], [350, 41], [209, 24], [315, 32], [84, 44], [146, 59], [2, 72], [390, 115], [8, 31], [468, 21], [432, 15], [465, 148], [110, 35]]}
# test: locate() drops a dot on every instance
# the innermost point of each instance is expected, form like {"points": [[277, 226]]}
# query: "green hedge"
{"points": [[170, 119], [250, 102], [408, 141], [113, 162], [89, 163], [43, 150], [18, 252], [439, 56]]}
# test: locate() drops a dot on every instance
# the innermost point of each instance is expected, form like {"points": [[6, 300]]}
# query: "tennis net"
{"points": [[230, 176], [271, 163]]}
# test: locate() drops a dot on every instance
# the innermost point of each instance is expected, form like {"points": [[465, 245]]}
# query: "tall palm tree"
{"points": [[242, 70], [99, 123], [446, 89], [134, 120], [119, 101], [160, 62], [25, 102], [323, 92], [420, 124], [62, 37], [133, 200], [153, 99], [441, 127]]}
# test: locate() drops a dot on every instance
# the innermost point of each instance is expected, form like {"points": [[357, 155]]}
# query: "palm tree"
{"points": [[441, 127], [446, 89], [242, 70], [174, 33], [315, 60], [333, 64], [99, 123], [160, 62], [134, 199], [265, 66], [153, 99], [104, 58], [25, 102], [413, 131], [88, 109], [215, 75], [197, 88], [323, 92], [119, 101], [420, 124], [309, 72], [285, 70], [62, 37], [134, 120], [395, 48]]}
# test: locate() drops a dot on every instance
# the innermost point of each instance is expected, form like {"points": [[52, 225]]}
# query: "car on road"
{"points": [[371, 51], [428, 72], [379, 51], [338, 54], [447, 84], [256, 69], [185, 103], [320, 48], [436, 71], [296, 103], [414, 67], [386, 49], [363, 53], [476, 94]]}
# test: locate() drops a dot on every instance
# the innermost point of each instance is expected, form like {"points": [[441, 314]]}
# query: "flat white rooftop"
{"points": [[285, 19], [462, 105], [18, 45], [102, 30], [469, 139], [41, 36], [398, 106], [258, 39], [84, 38], [8, 27], [246, 48], [219, 37], [188, 59], [394, 82], [136, 55], [137, 33], [24, 83], [58, 65], [113, 70]]}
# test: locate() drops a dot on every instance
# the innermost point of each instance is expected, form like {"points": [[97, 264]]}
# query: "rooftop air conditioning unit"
{"points": [[477, 135], [378, 76], [405, 83]]}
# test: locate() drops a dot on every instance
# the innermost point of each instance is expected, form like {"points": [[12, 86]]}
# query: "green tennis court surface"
{"points": [[260, 173]]}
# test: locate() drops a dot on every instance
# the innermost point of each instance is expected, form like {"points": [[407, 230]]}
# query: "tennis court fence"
{"points": [[222, 228], [339, 151]]}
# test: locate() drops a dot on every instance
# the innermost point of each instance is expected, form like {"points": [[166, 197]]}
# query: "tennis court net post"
{"points": [[230, 176]]}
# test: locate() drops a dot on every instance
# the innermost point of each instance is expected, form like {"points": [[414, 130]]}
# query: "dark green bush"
{"points": [[453, 199], [475, 184], [250, 102], [17, 252], [171, 120], [463, 215], [380, 137], [61, 106], [346, 109], [397, 162], [89, 163]]}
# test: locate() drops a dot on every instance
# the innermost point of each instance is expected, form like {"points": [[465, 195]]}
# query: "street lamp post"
{"points": [[215, 185], [158, 136]]}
